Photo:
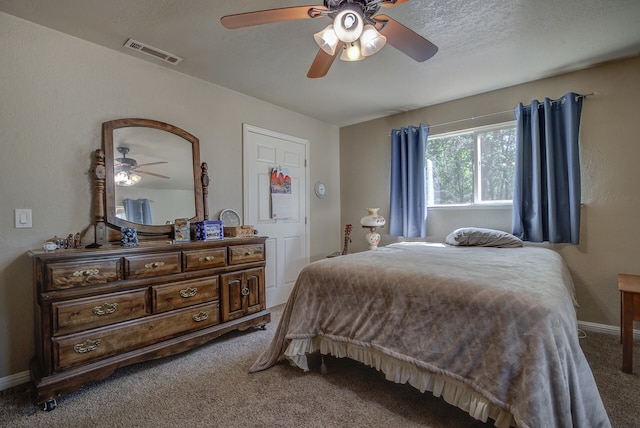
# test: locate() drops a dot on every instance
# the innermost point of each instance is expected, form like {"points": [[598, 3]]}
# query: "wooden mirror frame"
{"points": [[107, 225]]}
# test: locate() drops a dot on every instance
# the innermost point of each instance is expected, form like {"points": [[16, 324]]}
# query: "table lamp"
{"points": [[372, 221]]}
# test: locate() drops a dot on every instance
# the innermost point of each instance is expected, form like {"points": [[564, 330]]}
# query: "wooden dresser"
{"points": [[100, 309]]}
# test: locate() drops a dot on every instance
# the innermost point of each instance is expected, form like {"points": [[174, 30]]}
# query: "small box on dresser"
{"points": [[208, 230], [181, 230], [238, 231]]}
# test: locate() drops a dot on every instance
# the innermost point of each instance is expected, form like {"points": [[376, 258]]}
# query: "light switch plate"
{"points": [[23, 218]]}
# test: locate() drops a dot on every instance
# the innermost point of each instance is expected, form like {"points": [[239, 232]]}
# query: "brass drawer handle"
{"points": [[154, 265], [87, 272], [105, 308], [188, 292], [245, 291], [87, 346], [201, 316], [207, 259]]}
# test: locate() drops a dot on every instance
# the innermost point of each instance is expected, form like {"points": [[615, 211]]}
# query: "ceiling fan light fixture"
{"points": [[349, 18], [348, 25], [371, 40], [352, 52], [124, 178], [327, 40]]}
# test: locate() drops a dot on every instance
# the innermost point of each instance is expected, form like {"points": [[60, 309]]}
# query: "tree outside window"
{"points": [[474, 166]]}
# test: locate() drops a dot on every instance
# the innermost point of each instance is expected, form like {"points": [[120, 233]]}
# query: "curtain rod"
{"points": [[494, 114]]}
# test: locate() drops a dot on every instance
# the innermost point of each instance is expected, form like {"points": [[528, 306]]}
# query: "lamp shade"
{"points": [[371, 40], [348, 25], [327, 40], [352, 52], [373, 219]]}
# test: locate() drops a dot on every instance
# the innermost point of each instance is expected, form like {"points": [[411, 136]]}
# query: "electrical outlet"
{"points": [[23, 218]]}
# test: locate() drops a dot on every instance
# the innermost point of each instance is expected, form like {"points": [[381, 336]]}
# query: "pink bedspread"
{"points": [[500, 321]]}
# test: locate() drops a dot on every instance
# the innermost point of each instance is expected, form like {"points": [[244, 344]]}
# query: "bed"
{"points": [[491, 330]]}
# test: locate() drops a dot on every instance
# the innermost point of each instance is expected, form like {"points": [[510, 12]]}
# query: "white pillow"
{"points": [[481, 237]]}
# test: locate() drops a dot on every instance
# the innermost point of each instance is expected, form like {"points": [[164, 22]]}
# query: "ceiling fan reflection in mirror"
{"points": [[126, 169], [357, 30]]}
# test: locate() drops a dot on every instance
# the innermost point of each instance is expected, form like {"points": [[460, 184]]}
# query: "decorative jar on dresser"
{"points": [[106, 306]]}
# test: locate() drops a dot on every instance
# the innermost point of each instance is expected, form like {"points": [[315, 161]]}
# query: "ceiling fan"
{"points": [[127, 169], [357, 30]]}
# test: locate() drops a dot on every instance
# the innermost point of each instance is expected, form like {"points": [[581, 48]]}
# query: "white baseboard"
{"points": [[14, 380], [599, 328], [603, 328]]}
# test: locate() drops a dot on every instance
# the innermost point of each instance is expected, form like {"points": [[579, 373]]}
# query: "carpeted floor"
{"points": [[211, 387]]}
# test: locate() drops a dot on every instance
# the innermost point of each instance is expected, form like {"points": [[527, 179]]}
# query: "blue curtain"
{"points": [[138, 210], [408, 213], [546, 197]]}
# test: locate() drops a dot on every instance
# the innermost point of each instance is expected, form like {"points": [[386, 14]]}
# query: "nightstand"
{"points": [[629, 286]]}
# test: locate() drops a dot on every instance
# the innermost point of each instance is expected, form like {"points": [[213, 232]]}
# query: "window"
{"points": [[474, 166]]}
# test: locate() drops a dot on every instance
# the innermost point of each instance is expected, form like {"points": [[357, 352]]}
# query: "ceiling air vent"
{"points": [[155, 52]]}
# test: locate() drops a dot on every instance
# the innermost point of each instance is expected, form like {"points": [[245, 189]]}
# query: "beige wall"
{"points": [[55, 91], [610, 151]]}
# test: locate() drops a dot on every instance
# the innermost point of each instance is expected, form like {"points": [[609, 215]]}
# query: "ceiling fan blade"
{"points": [[268, 16], [391, 3], [152, 173], [322, 63], [406, 40], [152, 163]]}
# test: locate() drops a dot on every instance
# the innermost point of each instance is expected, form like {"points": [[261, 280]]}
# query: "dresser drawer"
{"points": [[151, 265], [65, 275], [204, 259], [91, 312], [187, 293], [82, 348], [246, 253]]}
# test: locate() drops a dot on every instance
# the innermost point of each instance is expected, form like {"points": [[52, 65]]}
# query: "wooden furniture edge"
{"points": [[71, 380]]}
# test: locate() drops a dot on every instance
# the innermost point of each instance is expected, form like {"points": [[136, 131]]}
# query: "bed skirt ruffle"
{"points": [[451, 390]]}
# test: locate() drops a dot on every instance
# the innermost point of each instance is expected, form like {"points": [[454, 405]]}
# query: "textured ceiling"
{"points": [[483, 45]]}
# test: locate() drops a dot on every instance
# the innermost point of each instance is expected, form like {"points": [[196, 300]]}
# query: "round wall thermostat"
{"points": [[320, 189]]}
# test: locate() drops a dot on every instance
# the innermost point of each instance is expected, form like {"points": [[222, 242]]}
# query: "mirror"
{"points": [[152, 175]]}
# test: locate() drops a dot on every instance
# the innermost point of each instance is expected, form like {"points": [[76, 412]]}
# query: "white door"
{"points": [[287, 246]]}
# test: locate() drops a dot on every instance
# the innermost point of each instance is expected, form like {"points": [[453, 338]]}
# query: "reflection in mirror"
{"points": [[153, 176]]}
